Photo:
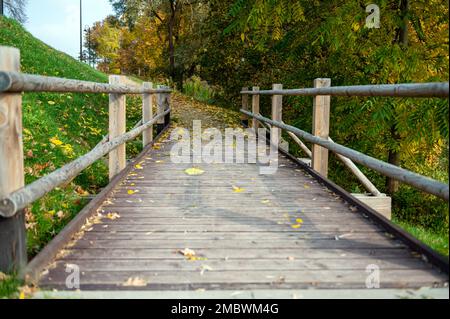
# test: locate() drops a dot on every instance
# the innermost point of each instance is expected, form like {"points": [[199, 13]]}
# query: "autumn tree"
{"points": [[15, 8], [170, 15]]}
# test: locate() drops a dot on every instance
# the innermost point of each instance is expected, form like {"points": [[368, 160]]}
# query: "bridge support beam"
{"points": [[13, 254], [147, 114], [321, 127], [117, 127]]}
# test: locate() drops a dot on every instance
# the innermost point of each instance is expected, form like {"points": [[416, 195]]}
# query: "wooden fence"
{"points": [[14, 195], [320, 139]]}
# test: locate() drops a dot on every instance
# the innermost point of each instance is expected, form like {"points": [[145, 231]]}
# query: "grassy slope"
{"points": [[57, 129]]}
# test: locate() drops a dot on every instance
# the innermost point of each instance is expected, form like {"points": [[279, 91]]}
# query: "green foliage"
{"points": [[436, 240], [199, 90], [59, 128], [9, 286]]}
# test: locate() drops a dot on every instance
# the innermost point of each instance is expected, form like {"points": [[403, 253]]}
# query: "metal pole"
{"points": [[81, 30], [1, 8]]}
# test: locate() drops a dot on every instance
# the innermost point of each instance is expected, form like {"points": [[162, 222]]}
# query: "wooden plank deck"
{"points": [[281, 231]]}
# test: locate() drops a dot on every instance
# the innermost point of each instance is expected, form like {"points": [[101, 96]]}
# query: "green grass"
{"points": [[9, 286], [437, 241], [58, 128]]}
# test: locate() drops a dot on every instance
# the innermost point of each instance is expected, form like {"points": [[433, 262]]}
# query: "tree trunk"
{"points": [[173, 8], [394, 155]]}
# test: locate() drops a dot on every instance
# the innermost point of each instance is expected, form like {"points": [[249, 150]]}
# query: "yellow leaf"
{"points": [[112, 216], [131, 192], [299, 220], [238, 189], [194, 171], [135, 282], [306, 186], [138, 166], [22, 295], [242, 36], [187, 252], [51, 102], [56, 141], [297, 226], [265, 201]]}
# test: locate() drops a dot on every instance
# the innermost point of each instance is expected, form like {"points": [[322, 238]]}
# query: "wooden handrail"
{"points": [[423, 183], [14, 196], [15, 82], [437, 89], [39, 188]]}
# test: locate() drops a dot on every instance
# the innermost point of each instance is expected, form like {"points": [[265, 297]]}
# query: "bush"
{"points": [[199, 90]]}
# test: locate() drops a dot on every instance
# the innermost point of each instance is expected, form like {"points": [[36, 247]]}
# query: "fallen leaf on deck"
{"points": [[135, 282], [297, 226], [299, 220], [194, 171], [291, 258], [238, 189], [131, 192], [159, 162], [112, 216], [138, 166], [187, 252], [306, 186], [265, 201]]}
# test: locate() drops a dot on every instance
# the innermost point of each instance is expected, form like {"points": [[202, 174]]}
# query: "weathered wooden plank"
{"points": [[147, 113], [236, 243], [244, 265], [16, 82], [249, 253], [437, 89], [277, 115], [313, 278], [288, 236], [255, 108], [12, 230], [321, 128], [117, 127], [233, 228]]}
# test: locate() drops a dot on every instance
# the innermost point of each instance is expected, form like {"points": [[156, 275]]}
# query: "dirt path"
{"points": [[185, 110]]}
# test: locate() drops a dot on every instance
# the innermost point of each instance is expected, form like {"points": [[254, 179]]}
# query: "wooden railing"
{"points": [[14, 195], [320, 139]]}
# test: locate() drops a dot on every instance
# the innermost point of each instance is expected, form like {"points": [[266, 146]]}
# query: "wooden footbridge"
{"points": [[215, 229]]}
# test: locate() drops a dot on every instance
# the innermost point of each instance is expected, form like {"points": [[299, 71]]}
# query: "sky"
{"points": [[57, 22]]}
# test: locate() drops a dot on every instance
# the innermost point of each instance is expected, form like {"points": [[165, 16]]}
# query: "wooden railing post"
{"points": [[255, 109], [161, 101], [321, 127], [147, 113], [117, 127], [13, 254], [167, 102], [244, 118], [277, 115]]}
